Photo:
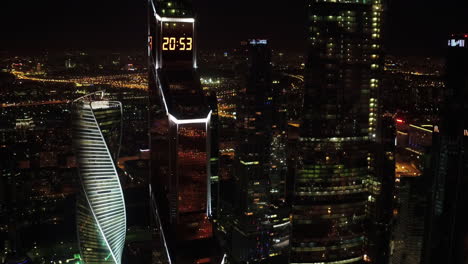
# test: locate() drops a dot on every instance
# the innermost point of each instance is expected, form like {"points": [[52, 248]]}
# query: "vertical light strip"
{"points": [[208, 169], [195, 45]]}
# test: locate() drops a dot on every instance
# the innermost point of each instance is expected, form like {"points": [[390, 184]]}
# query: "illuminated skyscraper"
{"points": [[278, 171], [180, 135], [101, 219], [336, 183], [446, 239]]}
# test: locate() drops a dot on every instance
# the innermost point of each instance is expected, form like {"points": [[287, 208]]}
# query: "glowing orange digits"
{"points": [[182, 43], [166, 41], [172, 43], [189, 44]]}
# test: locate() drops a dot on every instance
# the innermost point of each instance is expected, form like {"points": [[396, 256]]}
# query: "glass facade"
{"points": [[447, 233], [101, 219], [409, 227], [193, 182], [260, 228], [336, 186], [180, 136], [250, 234]]}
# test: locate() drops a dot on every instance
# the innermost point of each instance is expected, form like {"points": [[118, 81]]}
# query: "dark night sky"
{"points": [[415, 27]]}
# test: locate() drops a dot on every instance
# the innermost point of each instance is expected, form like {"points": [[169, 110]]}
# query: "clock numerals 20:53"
{"points": [[171, 43]]}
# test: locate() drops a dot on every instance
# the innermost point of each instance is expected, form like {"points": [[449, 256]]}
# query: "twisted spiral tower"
{"points": [[101, 219]]}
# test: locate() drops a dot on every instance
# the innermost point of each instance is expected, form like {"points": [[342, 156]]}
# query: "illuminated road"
{"points": [[294, 124], [298, 77], [133, 80], [35, 103], [122, 160], [406, 169]]}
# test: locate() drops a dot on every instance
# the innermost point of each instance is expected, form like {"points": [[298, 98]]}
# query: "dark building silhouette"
{"points": [[253, 220], [339, 180], [411, 191], [409, 226], [250, 239], [446, 239], [381, 210]]}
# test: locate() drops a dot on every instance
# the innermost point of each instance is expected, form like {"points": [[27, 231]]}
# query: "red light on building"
{"points": [[400, 121]]}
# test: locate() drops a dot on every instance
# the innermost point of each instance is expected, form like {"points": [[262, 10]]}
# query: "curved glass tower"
{"points": [[101, 220]]}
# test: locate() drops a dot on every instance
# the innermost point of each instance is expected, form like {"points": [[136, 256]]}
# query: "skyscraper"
{"points": [[409, 227], [250, 235], [336, 183], [278, 173], [101, 219], [260, 228], [446, 239], [179, 135]]}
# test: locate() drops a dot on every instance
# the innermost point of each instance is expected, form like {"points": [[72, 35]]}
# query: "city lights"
{"points": [[217, 132]]}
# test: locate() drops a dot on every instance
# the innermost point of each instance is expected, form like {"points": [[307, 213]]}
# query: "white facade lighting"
{"points": [[101, 207]]}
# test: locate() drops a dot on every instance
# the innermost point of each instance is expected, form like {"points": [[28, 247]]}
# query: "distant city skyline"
{"points": [[416, 28], [234, 132]]}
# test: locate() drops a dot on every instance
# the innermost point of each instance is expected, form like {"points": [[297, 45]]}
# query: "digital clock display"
{"points": [[180, 44], [177, 43]]}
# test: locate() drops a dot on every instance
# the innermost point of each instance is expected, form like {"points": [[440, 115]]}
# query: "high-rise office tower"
{"points": [[101, 219], [446, 239], [179, 136], [409, 226], [261, 223], [278, 153], [280, 229], [381, 192], [250, 235], [336, 180]]}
